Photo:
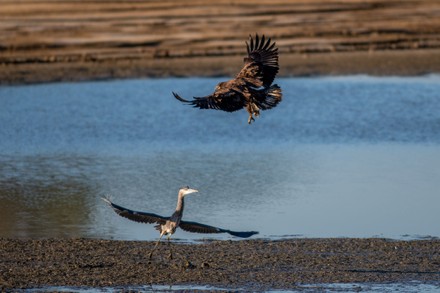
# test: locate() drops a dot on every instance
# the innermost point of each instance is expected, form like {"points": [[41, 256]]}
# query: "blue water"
{"points": [[339, 157]]}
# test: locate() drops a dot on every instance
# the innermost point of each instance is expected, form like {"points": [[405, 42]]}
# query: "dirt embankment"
{"points": [[254, 264], [46, 40]]}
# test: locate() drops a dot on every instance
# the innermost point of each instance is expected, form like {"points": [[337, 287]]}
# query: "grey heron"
{"points": [[168, 225]]}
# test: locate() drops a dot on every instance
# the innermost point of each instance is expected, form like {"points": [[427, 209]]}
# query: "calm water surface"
{"points": [[340, 157], [411, 286]]}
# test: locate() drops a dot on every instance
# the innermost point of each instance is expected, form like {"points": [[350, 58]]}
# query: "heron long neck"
{"points": [[180, 204]]}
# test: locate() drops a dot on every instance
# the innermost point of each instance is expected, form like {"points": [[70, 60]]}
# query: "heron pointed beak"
{"points": [[192, 191], [189, 191]]}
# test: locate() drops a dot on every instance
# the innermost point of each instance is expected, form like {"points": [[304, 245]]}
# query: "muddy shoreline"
{"points": [[401, 63], [261, 264], [50, 41]]}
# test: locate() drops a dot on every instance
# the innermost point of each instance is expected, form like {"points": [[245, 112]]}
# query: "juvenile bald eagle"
{"points": [[252, 88]]}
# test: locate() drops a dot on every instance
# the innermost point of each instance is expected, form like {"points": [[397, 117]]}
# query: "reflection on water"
{"points": [[44, 194], [414, 286], [353, 156]]}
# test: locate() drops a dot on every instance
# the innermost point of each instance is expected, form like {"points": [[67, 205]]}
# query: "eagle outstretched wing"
{"points": [[202, 228], [140, 217], [228, 101], [261, 65]]}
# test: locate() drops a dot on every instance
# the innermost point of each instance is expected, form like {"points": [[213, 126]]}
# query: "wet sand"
{"points": [[253, 264], [46, 41]]}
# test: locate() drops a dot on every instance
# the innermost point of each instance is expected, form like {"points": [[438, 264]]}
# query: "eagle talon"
{"points": [[250, 119]]}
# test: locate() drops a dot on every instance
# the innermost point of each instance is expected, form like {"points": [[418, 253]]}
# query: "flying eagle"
{"points": [[252, 88]]}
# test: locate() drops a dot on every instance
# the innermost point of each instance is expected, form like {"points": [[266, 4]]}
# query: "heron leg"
{"points": [[157, 243], [169, 246]]}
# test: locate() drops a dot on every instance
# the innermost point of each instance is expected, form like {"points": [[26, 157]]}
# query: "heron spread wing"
{"points": [[202, 228], [140, 217], [226, 100], [261, 65]]}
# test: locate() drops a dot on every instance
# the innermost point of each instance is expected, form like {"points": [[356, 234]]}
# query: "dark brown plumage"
{"points": [[252, 88]]}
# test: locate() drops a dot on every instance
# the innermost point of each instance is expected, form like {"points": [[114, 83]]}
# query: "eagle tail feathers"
{"points": [[272, 96]]}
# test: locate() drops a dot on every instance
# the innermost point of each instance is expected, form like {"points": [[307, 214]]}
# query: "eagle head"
{"points": [[220, 86]]}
